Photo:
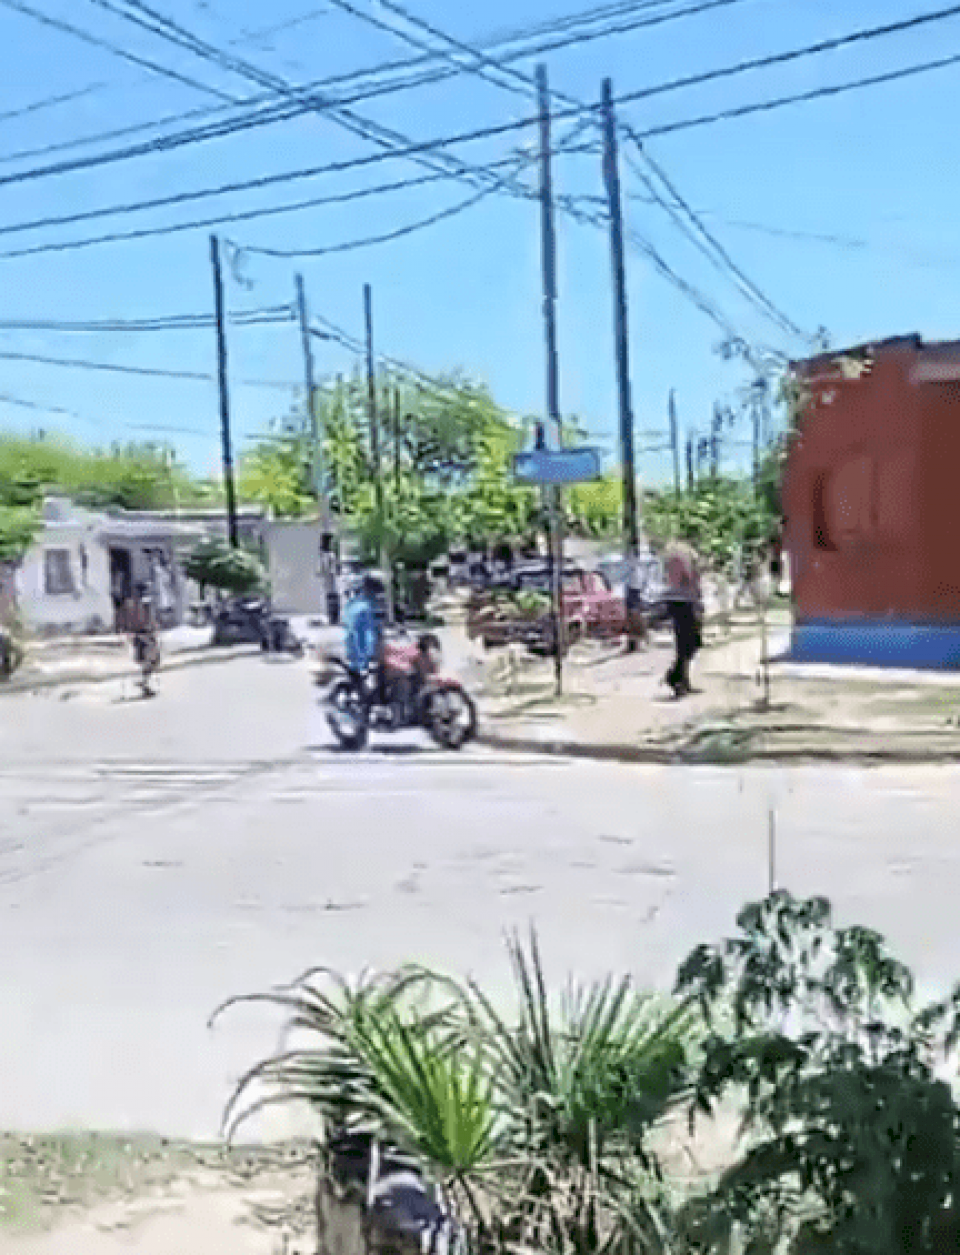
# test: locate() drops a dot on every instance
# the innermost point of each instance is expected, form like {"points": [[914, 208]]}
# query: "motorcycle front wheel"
{"points": [[451, 718], [346, 714]]}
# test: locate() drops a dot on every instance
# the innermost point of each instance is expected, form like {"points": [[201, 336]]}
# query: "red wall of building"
{"points": [[872, 488]]}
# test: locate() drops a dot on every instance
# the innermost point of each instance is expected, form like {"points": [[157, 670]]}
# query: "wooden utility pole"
{"points": [[611, 178], [674, 441], [549, 260], [316, 444], [396, 442], [230, 491], [374, 419]]}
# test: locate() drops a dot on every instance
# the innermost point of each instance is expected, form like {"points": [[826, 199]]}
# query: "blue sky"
{"points": [[842, 211]]}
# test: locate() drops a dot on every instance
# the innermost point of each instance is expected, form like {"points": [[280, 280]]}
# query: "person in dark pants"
{"points": [[685, 607]]}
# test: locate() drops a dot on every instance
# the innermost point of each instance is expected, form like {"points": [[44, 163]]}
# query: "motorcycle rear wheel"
{"points": [[451, 718], [347, 715]]}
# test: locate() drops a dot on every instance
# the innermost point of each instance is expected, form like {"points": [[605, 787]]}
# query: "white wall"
{"points": [[293, 556], [89, 601]]}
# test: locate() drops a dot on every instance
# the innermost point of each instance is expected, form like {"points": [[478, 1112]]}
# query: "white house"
{"points": [[84, 565]]}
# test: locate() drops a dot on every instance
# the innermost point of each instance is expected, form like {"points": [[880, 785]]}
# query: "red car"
{"points": [[591, 609]]}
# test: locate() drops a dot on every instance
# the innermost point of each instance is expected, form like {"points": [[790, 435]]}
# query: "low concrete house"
{"points": [[84, 565]]}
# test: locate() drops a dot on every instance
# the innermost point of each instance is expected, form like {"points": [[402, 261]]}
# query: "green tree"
{"points": [[717, 517], [215, 564], [852, 1138]]}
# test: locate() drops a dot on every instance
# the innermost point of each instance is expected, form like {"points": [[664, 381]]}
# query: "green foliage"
{"points": [[536, 1122], [215, 564], [598, 507], [19, 526], [445, 466], [133, 476], [716, 517], [853, 1139]]}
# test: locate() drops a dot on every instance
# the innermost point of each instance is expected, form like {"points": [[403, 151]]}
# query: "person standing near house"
{"points": [[684, 600], [140, 621]]}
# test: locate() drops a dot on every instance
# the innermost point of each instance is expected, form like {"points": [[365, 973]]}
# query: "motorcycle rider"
{"points": [[363, 622]]}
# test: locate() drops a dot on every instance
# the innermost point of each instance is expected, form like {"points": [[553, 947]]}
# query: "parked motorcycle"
{"points": [[409, 691], [249, 621]]}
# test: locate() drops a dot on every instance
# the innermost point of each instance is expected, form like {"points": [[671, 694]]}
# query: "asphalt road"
{"points": [[159, 856]]}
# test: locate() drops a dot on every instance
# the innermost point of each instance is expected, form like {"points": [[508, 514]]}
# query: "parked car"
{"points": [[652, 580], [518, 609]]}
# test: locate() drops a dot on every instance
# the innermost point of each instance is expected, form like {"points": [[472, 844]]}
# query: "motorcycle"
{"points": [[408, 691], [250, 621]]}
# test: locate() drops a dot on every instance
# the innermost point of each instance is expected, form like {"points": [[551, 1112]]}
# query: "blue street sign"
{"points": [[558, 466]]}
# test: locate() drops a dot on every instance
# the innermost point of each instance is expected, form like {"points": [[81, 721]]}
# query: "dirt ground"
{"points": [[97, 1194], [101, 1194]]}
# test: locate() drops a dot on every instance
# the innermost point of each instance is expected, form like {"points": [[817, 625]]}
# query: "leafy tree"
{"points": [[717, 517], [215, 564], [19, 526], [853, 1137], [133, 476]]}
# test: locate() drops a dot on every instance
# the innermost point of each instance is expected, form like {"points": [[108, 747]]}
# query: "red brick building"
{"points": [[872, 501]]}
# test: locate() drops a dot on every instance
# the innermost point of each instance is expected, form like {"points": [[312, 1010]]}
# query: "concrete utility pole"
{"points": [[316, 445], [674, 440], [229, 488], [549, 259], [611, 176]]}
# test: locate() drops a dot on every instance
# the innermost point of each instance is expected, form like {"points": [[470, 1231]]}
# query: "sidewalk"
{"points": [[616, 706], [94, 659]]}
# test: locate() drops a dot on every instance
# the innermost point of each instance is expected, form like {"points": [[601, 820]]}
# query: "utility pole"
{"points": [[611, 175], [690, 475], [316, 460], [675, 441], [716, 429], [375, 439], [396, 441], [228, 484], [549, 262]]}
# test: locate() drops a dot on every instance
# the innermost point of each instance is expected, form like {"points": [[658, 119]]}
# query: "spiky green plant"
{"points": [[536, 1123]]}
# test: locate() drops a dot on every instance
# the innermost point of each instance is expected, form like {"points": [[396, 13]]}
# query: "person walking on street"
{"points": [[685, 606]]}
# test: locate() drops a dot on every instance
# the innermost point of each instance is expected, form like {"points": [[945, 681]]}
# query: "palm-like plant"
{"points": [[536, 1125]]}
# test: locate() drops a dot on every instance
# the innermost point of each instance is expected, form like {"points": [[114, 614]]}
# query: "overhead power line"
{"points": [[516, 80], [50, 102], [194, 134], [816, 93], [175, 322], [375, 74], [121, 369], [387, 237], [78, 32]]}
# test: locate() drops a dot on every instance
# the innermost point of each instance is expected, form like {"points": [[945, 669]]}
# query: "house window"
{"points": [[58, 573]]}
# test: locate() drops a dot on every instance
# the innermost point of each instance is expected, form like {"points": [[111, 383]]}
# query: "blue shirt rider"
{"points": [[363, 624]]}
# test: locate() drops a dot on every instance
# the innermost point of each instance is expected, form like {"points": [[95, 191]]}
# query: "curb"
{"points": [[174, 663], [705, 757]]}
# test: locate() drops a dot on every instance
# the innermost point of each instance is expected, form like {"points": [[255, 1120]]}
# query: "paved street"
{"points": [[156, 857]]}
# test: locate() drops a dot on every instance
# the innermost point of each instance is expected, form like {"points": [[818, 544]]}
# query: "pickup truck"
{"points": [[518, 609]]}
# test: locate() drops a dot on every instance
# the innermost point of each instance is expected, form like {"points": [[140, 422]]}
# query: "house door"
{"points": [[121, 582]]}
